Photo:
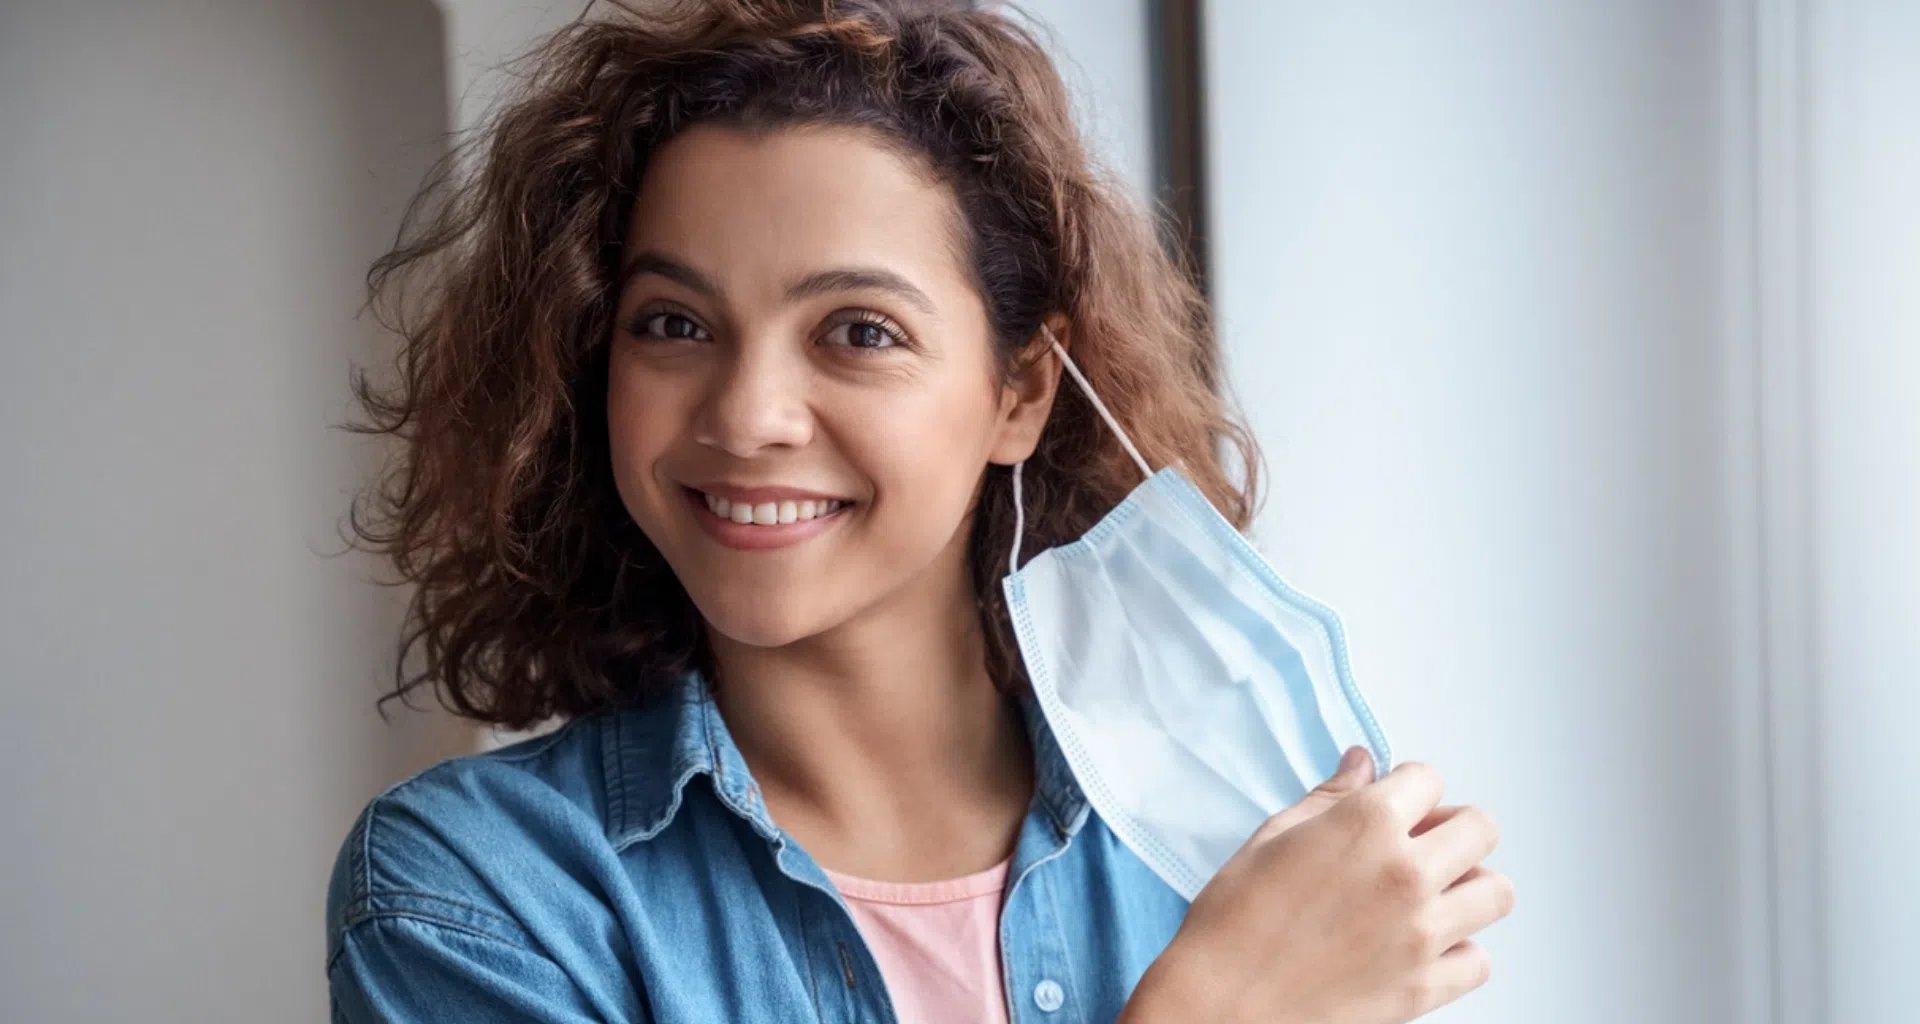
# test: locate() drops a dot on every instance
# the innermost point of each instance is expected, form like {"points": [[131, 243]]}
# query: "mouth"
{"points": [[771, 513], [760, 518]]}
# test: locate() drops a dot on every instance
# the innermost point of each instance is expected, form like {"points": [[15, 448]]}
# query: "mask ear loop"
{"points": [[1019, 520], [1098, 406], [1073, 370]]}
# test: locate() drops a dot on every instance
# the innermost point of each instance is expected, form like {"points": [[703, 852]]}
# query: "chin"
{"points": [[755, 621]]}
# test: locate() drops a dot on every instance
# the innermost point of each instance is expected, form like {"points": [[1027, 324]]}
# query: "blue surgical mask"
{"points": [[1192, 691]]}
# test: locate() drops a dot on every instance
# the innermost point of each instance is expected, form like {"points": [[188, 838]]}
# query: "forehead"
{"points": [[752, 206]]}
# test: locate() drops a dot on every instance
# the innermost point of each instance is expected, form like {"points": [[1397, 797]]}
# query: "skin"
{"points": [[851, 666], [850, 658], [1353, 906]]}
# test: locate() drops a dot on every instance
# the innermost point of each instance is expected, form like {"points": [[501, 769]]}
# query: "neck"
{"points": [[883, 745]]}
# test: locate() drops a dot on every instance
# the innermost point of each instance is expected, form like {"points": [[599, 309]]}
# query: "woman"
{"points": [[713, 372]]}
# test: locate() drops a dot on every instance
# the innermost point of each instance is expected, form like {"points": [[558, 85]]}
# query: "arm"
{"points": [[413, 969]]}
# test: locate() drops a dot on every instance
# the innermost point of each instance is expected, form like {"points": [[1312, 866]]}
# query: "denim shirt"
{"points": [[625, 868]]}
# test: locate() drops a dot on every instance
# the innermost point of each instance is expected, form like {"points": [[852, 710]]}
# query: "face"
{"points": [[803, 392]]}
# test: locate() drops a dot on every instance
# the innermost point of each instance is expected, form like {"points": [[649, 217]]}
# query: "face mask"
{"points": [[1193, 693]]}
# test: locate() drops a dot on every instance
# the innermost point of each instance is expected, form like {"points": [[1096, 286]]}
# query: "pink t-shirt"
{"points": [[937, 943]]}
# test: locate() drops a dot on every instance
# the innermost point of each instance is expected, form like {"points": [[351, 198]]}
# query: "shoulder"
{"points": [[453, 844]]}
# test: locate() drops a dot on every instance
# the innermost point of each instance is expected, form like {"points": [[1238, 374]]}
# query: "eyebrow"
{"points": [[817, 283], [872, 279], [651, 262]]}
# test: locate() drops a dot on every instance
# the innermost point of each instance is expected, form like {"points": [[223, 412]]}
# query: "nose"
{"points": [[757, 402]]}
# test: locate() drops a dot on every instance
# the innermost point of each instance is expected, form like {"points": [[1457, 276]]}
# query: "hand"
{"points": [[1354, 906]]}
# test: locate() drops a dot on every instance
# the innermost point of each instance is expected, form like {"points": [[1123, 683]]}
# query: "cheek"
{"points": [[641, 414], [923, 455]]}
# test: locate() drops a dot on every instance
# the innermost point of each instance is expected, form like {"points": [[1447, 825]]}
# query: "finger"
{"points": [[1476, 901], [1435, 817], [1453, 846], [1408, 793], [1476, 871], [1354, 771], [1453, 974]]}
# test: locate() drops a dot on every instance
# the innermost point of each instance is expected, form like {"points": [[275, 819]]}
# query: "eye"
{"points": [[866, 331], [666, 325]]}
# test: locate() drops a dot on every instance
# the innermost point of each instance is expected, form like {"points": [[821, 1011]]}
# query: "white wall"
{"points": [[1862, 378], [483, 36], [1466, 266], [1102, 50], [1584, 342], [189, 195]]}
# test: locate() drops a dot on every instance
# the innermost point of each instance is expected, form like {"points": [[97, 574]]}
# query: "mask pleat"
{"points": [[1212, 688], [1217, 597], [1194, 694], [1125, 687]]}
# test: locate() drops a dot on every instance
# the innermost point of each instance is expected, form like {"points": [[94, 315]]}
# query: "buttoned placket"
{"points": [[1035, 966], [846, 977], [1034, 961], [842, 972]]}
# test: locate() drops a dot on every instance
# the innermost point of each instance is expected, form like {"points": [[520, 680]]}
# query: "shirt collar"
{"points": [[651, 750]]}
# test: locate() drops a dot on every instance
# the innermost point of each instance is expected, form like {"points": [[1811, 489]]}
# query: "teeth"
{"points": [[770, 513]]}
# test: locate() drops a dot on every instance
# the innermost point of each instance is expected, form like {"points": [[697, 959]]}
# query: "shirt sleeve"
{"points": [[396, 969]]}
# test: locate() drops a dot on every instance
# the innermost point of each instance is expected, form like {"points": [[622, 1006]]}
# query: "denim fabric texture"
{"points": [[625, 868]]}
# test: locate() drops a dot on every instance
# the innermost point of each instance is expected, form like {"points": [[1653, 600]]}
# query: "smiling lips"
{"points": [[771, 513], [763, 518]]}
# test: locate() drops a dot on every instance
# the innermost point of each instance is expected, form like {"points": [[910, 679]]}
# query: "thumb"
{"points": [[1355, 771]]}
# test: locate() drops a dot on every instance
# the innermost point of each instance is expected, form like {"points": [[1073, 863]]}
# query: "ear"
{"points": [[1027, 399]]}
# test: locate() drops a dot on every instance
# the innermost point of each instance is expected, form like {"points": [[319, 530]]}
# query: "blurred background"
{"points": [[1583, 337]]}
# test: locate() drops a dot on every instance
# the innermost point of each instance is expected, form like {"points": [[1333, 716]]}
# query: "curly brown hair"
{"points": [[534, 593]]}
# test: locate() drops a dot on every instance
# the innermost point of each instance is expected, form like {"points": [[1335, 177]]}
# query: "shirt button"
{"points": [[1049, 996]]}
